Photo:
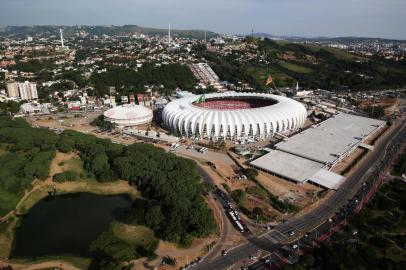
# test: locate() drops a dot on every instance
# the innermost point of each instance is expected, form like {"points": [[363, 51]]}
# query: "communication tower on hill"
{"points": [[169, 34]]}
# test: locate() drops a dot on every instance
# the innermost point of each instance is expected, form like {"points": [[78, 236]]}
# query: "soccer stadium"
{"points": [[129, 115], [234, 116]]}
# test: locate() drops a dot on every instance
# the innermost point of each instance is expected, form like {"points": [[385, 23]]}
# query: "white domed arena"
{"points": [[234, 116], [129, 115]]}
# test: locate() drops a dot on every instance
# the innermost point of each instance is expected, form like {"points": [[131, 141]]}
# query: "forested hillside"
{"points": [[311, 65]]}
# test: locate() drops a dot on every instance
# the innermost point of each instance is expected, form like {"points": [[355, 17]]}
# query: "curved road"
{"points": [[271, 241]]}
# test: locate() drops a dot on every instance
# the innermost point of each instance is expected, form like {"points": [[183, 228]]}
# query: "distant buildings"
{"points": [[34, 108], [25, 90], [206, 75], [12, 90]]}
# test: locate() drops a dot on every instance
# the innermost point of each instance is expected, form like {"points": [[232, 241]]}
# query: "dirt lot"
{"points": [[390, 105], [299, 195], [70, 122], [343, 167]]}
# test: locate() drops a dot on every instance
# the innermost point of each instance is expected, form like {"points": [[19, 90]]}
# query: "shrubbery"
{"points": [[65, 176], [251, 173], [238, 196]]}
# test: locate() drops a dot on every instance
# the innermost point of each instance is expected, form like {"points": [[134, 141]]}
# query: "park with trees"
{"points": [[172, 195]]}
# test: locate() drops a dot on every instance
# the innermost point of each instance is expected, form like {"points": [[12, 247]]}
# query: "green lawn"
{"points": [[296, 68], [261, 74], [76, 164], [137, 235], [343, 55]]}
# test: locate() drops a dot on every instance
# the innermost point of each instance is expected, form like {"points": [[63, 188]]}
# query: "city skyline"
{"points": [[311, 18]]}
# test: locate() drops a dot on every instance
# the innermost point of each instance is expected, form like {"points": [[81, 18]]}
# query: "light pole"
{"points": [[363, 193], [331, 227]]}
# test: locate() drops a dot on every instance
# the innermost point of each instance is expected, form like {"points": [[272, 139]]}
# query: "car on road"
{"points": [[224, 252], [291, 233], [252, 257]]}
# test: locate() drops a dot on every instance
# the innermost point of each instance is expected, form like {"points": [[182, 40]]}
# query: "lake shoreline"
{"points": [[40, 191]]}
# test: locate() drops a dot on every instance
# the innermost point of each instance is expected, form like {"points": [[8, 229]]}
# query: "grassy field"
{"points": [[338, 53], [76, 164], [261, 74], [342, 55], [296, 68], [138, 235]]}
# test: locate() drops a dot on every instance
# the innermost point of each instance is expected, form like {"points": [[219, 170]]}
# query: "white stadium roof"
{"points": [[129, 115], [184, 117]]}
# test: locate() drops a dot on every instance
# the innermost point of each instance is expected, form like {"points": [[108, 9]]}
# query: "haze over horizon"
{"points": [[307, 18]]}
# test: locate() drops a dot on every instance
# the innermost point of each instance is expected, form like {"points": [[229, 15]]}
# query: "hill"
{"points": [[312, 65], [48, 30], [345, 39]]}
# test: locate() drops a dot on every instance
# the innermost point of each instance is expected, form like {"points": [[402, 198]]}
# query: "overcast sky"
{"points": [[311, 18]]}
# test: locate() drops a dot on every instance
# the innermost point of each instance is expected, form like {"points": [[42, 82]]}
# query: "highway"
{"points": [[273, 240]]}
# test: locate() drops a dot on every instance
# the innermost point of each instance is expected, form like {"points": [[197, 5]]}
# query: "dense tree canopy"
{"points": [[169, 184], [129, 81], [28, 157]]}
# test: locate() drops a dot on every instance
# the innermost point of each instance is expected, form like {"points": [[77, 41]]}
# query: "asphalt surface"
{"points": [[226, 225], [272, 241]]}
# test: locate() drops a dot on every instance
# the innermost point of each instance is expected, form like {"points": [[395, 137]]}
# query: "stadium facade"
{"points": [[234, 116]]}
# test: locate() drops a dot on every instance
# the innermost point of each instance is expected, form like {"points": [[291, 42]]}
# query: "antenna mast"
{"points": [[61, 32], [169, 34]]}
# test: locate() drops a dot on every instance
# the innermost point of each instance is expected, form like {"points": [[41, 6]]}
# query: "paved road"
{"points": [[226, 227], [271, 241]]}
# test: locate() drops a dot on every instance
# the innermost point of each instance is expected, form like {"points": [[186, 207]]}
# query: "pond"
{"points": [[66, 224]]}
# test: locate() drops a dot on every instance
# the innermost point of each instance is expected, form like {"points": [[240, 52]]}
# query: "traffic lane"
{"points": [[339, 197], [326, 228], [232, 257], [321, 210]]}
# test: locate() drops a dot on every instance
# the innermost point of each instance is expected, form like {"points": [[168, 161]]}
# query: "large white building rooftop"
{"points": [[332, 139], [309, 155], [288, 166]]}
